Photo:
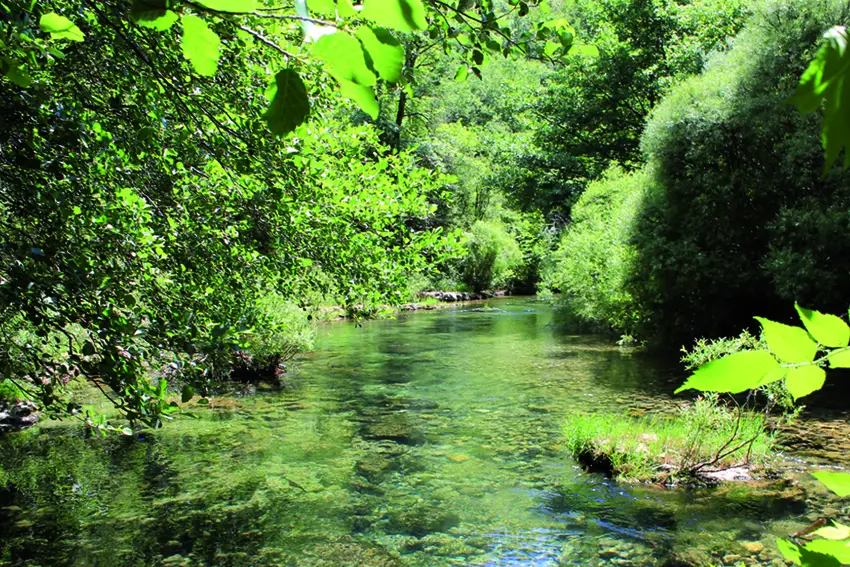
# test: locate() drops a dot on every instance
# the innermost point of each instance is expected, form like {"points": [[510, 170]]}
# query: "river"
{"points": [[428, 440]]}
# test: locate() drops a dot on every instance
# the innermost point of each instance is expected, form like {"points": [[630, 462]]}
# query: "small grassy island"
{"points": [[705, 439]]}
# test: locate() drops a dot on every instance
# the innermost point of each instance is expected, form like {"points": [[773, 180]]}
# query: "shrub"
{"points": [[595, 256], [739, 218], [492, 255]]}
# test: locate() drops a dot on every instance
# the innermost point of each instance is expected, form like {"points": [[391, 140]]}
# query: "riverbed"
{"points": [[427, 440]]}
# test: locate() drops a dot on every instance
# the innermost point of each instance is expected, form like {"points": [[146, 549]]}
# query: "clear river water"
{"points": [[428, 440]]}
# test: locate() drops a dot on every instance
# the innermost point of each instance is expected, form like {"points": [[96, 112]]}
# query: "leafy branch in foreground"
{"points": [[824, 81], [792, 355], [357, 45]]}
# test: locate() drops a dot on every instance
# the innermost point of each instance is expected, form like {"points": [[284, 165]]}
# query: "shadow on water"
{"points": [[426, 441]]}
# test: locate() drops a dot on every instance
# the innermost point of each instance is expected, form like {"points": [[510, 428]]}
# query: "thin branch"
{"points": [[263, 39]]}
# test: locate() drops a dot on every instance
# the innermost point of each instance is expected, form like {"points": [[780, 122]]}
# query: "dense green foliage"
{"points": [[594, 109], [731, 210]]}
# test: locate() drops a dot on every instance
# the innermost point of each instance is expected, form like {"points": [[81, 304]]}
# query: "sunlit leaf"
{"points": [[157, 20], [790, 550], [735, 373], [323, 7], [200, 46], [839, 359], [838, 482], [835, 531], [364, 97], [789, 344], [385, 52], [840, 550], [462, 73], [828, 330], [344, 59], [231, 6], [584, 50], [400, 15], [290, 103], [60, 27], [774, 375], [804, 380], [345, 9], [824, 80]]}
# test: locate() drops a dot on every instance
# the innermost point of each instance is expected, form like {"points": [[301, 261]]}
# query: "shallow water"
{"points": [[430, 440]]}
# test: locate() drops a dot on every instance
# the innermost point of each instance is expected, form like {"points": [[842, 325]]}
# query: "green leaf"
{"points": [[385, 52], [203, 402], [840, 550], [791, 551], [774, 375], [153, 15], [840, 359], [804, 380], [200, 46], [735, 373], [345, 9], [60, 27], [344, 59], [230, 6], [836, 531], [290, 103], [825, 80], [584, 50], [400, 15], [18, 75], [462, 73], [363, 96], [323, 7], [827, 330], [187, 394], [789, 344], [838, 482]]}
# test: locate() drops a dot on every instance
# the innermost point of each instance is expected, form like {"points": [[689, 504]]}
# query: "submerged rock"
{"points": [[421, 519], [15, 416]]}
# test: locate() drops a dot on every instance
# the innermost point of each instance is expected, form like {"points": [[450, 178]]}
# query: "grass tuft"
{"points": [[671, 449]]}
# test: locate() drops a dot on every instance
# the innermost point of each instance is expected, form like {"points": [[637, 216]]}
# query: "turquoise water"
{"points": [[429, 440]]}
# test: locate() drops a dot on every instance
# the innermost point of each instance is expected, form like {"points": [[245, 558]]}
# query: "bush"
{"points": [[705, 435], [739, 219], [492, 255], [595, 257]]}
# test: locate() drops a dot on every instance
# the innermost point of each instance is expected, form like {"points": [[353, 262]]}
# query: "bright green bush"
{"points": [[492, 255], [595, 257]]}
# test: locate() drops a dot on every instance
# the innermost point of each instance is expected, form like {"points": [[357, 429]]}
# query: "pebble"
{"points": [[753, 547]]}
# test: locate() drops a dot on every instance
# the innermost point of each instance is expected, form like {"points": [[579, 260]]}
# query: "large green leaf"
{"points": [[840, 550], [789, 344], [401, 15], [231, 6], [825, 80], [290, 103], [200, 45], [385, 52], [839, 359], [791, 551], [60, 27], [364, 97], [804, 380], [18, 75], [838, 482], [828, 330], [836, 531], [344, 59], [322, 7], [735, 373], [147, 14]]}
